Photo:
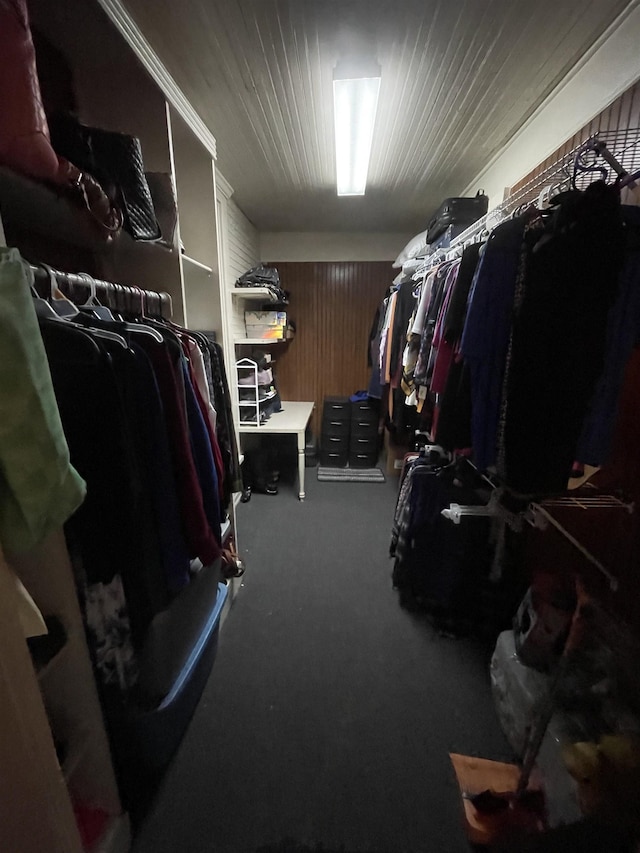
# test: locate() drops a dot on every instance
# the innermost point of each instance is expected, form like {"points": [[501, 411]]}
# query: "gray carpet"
{"points": [[330, 712]]}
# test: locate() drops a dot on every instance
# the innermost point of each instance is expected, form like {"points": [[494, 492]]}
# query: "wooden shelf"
{"points": [[254, 293], [263, 341]]}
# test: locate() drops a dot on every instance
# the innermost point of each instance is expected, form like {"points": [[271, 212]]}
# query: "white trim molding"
{"points": [[223, 186], [134, 36]]}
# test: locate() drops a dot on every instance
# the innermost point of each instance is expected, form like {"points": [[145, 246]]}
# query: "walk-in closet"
{"points": [[319, 466]]}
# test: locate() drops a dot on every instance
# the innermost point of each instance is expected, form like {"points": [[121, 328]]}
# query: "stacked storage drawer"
{"points": [[336, 427], [363, 444]]}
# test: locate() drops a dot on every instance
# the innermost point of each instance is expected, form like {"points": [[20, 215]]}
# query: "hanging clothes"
{"points": [[623, 334], [226, 432], [559, 337], [453, 427], [439, 564], [136, 401], [201, 540], [485, 337]]}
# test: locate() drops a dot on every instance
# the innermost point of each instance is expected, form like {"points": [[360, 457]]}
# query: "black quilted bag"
{"points": [[115, 161], [259, 276]]}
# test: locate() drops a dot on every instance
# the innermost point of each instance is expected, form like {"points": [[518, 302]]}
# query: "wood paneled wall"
{"points": [[332, 305]]}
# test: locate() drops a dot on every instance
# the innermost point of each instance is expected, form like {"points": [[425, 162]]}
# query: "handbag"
{"points": [[260, 276], [25, 144], [115, 160], [457, 211]]}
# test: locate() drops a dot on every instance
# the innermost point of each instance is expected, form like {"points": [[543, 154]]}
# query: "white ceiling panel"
{"points": [[459, 78]]}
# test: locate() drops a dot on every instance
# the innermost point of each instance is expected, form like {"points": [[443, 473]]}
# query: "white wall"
{"points": [[243, 243], [331, 246], [604, 73], [239, 249]]}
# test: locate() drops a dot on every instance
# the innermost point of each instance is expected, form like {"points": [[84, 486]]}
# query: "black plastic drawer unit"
{"points": [[364, 429], [336, 409], [362, 410], [363, 460], [331, 426], [363, 444], [333, 459]]}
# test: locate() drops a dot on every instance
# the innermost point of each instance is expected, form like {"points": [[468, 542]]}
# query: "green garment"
{"points": [[39, 488]]}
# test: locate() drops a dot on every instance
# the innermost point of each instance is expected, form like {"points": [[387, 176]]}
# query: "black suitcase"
{"points": [[457, 211]]}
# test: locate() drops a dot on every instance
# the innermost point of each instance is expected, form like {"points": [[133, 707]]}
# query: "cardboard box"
{"points": [[265, 318], [266, 333]]}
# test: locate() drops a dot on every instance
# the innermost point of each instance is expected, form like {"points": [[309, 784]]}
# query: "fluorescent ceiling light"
{"points": [[354, 108]]}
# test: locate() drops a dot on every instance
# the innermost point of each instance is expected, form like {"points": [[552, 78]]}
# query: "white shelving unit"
{"points": [[248, 368], [245, 367], [241, 299]]}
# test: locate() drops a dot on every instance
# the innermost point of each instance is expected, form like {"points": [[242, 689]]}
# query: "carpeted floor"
{"points": [[328, 719]]}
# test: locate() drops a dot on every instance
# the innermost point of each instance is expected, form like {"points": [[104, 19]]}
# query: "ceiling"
{"points": [[459, 78]]}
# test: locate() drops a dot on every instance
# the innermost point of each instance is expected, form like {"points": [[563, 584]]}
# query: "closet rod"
{"points": [[126, 296]]}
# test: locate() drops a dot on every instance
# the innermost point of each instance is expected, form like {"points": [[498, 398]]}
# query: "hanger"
{"points": [[117, 291], [544, 197], [44, 308], [63, 307], [92, 306], [144, 327], [582, 165], [46, 311]]}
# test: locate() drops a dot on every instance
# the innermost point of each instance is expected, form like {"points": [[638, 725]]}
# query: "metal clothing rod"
{"points": [[471, 232], [128, 298], [536, 511]]}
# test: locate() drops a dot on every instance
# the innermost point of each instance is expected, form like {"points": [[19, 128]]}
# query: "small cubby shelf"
{"points": [[254, 293]]}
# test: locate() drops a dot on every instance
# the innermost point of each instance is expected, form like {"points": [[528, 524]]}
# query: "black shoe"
{"points": [[269, 488]]}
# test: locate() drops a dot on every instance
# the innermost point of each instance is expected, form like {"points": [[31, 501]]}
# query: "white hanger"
{"points": [[92, 305]]}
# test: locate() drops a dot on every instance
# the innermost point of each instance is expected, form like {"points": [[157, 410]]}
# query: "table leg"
{"points": [[301, 464]]}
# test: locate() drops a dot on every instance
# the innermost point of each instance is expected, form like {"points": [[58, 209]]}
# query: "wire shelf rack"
{"points": [[624, 144]]}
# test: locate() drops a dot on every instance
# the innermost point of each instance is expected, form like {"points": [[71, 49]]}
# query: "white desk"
{"points": [[293, 419]]}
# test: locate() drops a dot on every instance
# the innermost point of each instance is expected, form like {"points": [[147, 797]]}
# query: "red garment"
{"points": [[198, 535], [444, 351], [215, 447]]}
